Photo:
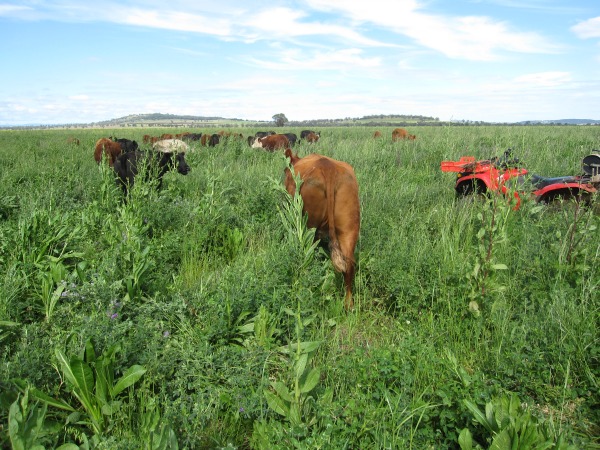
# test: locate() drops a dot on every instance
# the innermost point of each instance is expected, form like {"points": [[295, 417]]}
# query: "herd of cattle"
{"points": [[329, 187]]}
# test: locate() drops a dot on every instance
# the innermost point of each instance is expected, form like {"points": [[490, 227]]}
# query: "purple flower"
{"points": [[166, 334], [114, 316]]}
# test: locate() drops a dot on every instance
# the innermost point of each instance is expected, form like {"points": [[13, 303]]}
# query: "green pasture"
{"points": [[203, 317]]}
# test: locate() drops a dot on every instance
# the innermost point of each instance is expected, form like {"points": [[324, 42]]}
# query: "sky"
{"points": [[74, 61]]}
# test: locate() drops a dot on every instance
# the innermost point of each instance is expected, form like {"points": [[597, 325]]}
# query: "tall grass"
{"points": [[200, 285]]}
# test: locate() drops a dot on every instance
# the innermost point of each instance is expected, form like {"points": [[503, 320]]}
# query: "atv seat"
{"points": [[540, 182]]}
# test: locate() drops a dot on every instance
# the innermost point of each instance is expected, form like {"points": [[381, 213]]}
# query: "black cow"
{"points": [[192, 137], [251, 140], [292, 138], [305, 133], [214, 140], [127, 145], [155, 164], [262, 134]]}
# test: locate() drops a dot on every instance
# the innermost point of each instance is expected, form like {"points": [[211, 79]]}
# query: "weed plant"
{"points": [[232, 320]]}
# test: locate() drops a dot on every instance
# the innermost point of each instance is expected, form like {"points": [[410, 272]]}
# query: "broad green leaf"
{"points": [[68, 447], [103, 395], [84, 377], [311, 380], [499, 267], [295, 417], [465, 439], [89, 352], [478, 415], [301, 364], [130, 376], [282, 391], [39, 395], [66, 366], [276, 403], [502, 441]]}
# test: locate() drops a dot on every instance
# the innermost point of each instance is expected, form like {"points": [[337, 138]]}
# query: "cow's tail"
{"points": [[337, 257]]}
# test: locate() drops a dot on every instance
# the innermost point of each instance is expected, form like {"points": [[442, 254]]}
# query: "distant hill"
{"points": [[381, 120], [165, 120], [561, 122]]}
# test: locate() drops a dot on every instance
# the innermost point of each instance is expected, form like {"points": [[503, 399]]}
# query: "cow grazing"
{"points": [[292, 138], [155, 163], [377, 135], [251, 140], [400, 134], [214, 140], [109, 147], [73, 141], [329, 192], [272, 142], [304, 134], [192, 137], [311, 137]]}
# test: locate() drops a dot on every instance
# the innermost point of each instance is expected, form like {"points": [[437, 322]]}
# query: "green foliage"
{"points": [[215, 287], [28, 428], [510, 426], [91, 379]]}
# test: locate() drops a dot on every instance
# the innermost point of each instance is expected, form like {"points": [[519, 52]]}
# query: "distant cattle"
{"points": [[304, 134], [192, 137], [152, 163], [377, 135], [401, 133], [311, 137], [329, 192], [272, 143], [210, 140], [262, 134], [73, 141]]}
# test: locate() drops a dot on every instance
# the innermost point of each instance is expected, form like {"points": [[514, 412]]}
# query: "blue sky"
{"points": [[69, 61]]}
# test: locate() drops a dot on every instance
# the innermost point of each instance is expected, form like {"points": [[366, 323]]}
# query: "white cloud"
{"points": [[296, 59], [588, 28], [463, 37], [544, 79], [6, 10]]}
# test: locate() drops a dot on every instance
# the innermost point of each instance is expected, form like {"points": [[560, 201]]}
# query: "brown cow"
{"points": [[329, 191], [73, 141], [272, 142], [401, 133], [312, 137], [110, 148], [377, 135], [205, 139]]}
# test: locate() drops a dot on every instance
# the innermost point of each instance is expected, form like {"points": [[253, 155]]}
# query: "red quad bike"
{"points": [[506, 175]]}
